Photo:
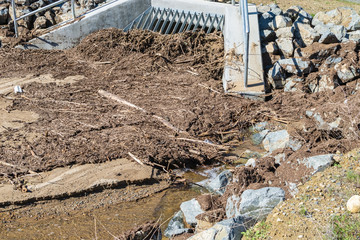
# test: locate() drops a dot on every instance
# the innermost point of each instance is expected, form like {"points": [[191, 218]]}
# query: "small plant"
{"points": [[345, 227], [259, 231], [353, 177], [303, 211]]}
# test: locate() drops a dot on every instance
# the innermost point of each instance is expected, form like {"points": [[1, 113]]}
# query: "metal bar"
{"points": [[142, 18], [73, 8], [191, 21], [15, 20], [148, 17], [159, 20], [154, 19], [212, 24], [233, 2], [166, 20], [207, 19], [172, 22], [179, 21], [198, 22], [185, 22], [218, 28], [41, 9], [246, 30]]}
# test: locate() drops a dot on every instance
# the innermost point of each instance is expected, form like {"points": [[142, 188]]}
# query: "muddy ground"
{"points": [[182, 117]]}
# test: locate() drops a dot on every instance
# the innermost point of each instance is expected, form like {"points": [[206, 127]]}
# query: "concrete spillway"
{"points": [[127, 14]]}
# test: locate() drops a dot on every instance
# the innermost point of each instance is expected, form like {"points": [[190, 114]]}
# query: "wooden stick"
{"points": [[201, 85], [202, 142], [124, 102], [135, 158]]}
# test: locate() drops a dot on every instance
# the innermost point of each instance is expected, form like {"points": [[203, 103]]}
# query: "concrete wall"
{"points": [[117, 14]]}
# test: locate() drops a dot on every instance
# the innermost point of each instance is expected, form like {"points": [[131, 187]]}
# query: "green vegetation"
{"points": [[351, 176], [346, 227], [303, 211], [259, 231]]}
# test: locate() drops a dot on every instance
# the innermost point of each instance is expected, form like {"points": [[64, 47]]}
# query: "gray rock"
{"points": [[27, 22], [294, 144], [321, 124], [190, 210], [344, 16], [330, 61], [219, 183], [281, 22], [339, 31], [257, 204], [40, 22], [257, 138], [292, 188], [279, 158], [267, 35], [229, 229], [251, 162], [266, 20], [318, 163], [4, 14], [176, 226], [272, 48], [275, 9], [232, 207], [286, 46], [259, 126], [263, 8], [346, 72], [276, 140], [354, 36], [305, 34], [293, 12], [296, 66], [291, 84], [286, 32], [328, 37], [277, 76]]}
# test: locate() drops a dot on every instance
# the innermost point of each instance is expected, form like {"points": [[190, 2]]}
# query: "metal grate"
{"points": [[169, 21]]}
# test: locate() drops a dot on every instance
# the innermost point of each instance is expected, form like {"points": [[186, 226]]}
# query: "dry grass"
{"points": [[311, 6]]}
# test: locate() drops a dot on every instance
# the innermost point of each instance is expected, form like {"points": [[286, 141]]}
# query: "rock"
{"points": [[281, 22], [296, 66], [251, 162], [263, 8], [346, 72], [275, 9], [293, 12], [257, 204], [332, 60], [279, 158], [294, 144], [321, 124], [353, 204], [325, 83], [257, 138], [219, 183], [286, 32], [319, 162], [37, 4], [190, 210], [50, 16], [229, 229], [27, 22], [259, 126], [40, 22], [292, 188], [354, 36], [266, 21], [232, 207], [339, 31], [176, 226], [328, 37], [4, 14], [272, 48], [286, 46], [267, 35], [344, 16], [276, 140], [291, 84], [305, 34], [277, 76]]}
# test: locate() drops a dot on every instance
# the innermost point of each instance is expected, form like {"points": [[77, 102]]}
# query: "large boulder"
{"points": [[176, 226], [281, 22], [286, 32], [286, 46], [190, 210], [318, 163], [346, 72], [344, 16], [296, 66], [254, 204], [276, 140], [305, 34], [331, 33], [277, 76]]}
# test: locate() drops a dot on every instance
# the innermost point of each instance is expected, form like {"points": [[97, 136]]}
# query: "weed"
{"points": [[345, 227], [353, 177], [259, 231], [303, 211]]}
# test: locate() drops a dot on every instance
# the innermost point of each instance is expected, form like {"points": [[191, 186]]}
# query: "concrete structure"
{"points": [[120, 13]]}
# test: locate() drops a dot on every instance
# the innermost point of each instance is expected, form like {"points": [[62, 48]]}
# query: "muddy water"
{"points": [[101, 223]]}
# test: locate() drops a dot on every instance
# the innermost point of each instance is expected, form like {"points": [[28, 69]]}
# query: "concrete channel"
{"points": [[121, 13]]}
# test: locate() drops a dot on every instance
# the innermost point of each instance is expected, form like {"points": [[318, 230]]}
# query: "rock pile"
{"points": [[303, 53]]}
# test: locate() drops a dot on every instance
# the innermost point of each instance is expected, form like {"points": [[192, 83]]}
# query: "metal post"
{"points": [[245, 18], [73, 8], [15, 21], [233, 2]]}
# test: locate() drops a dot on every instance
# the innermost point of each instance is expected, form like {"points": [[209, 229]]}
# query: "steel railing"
{"points": [[54, 4], [243, 4]]}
